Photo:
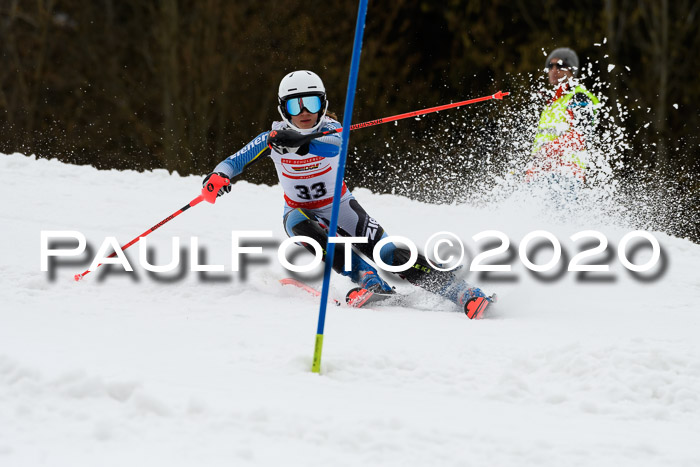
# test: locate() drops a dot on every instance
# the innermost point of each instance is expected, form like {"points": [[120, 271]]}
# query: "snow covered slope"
{"points": [[131, 369]]}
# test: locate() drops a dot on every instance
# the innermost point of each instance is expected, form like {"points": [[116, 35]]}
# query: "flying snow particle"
{"points": [[597, 44], [611, 68], [675, 106]]}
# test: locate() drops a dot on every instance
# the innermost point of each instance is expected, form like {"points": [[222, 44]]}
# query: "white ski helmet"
{"points": [[301, 83]]}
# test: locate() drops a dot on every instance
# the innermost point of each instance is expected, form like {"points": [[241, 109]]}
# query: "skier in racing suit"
{"points": [[307, 173]]}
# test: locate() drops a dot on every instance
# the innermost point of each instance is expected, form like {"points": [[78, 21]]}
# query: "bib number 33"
{"points": [[315, 191]]}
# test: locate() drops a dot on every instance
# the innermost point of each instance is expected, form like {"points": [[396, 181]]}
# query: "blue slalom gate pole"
{"points": [[333, 228]]}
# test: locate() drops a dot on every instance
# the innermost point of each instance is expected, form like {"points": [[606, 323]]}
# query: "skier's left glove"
{"points": [[286, 141], [224, 189]]}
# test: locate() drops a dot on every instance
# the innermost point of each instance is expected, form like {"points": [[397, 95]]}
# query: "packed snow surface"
{"points": [[189, 368]]}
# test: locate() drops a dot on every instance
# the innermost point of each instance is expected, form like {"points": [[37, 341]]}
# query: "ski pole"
{"points": [[209, 193], [298, 140], [499, 95]]}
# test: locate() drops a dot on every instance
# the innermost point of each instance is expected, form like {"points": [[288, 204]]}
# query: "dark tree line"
{"points": [[182, 84]]}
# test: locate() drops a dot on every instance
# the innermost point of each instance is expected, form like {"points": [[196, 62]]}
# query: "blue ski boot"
{"points": [[371, 286], [371, 281]]}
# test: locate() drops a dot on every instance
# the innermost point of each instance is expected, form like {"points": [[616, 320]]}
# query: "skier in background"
{"points": [[307, 173], [559, 154]]}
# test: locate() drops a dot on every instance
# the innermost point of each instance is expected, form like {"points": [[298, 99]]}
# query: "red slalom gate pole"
{"points": [[209, 193], [499, 95]]}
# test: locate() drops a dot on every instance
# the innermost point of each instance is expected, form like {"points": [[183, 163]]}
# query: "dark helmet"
{"points": [[567, 56]]}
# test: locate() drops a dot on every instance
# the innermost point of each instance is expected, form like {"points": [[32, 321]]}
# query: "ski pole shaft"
{"points": [[416, 113], [304, 139], [209, 192], [172, 216]]}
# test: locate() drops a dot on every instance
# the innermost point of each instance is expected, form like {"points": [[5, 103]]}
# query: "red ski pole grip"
{"points": [[214, 184]]}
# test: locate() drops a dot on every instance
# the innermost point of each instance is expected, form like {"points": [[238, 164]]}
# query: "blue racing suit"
{"points": [[308, 179]]}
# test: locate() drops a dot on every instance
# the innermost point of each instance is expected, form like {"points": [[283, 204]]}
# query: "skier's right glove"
{"points": [[286, 141], [224, 189]]}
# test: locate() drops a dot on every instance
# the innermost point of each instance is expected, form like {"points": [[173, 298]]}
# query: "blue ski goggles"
{"points": [[295, 105]]}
